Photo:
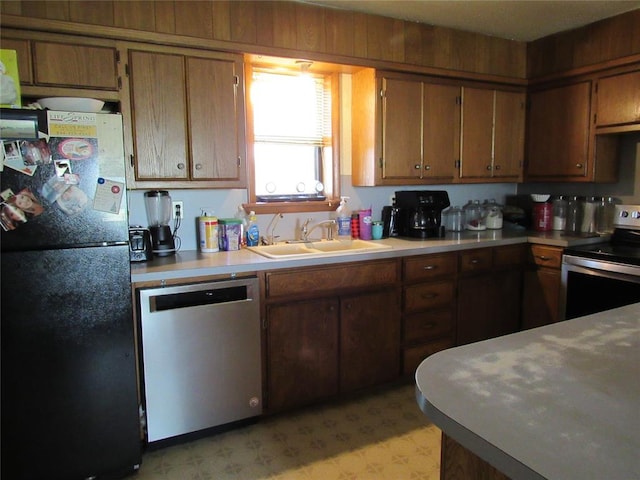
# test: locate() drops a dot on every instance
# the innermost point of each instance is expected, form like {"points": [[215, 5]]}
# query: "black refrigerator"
{"points": [[69, 400]]}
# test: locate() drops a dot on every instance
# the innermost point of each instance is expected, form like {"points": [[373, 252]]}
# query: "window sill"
{"points": [[328, 205]]}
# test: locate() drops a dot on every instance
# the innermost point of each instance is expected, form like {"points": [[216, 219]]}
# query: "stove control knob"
{"points": [[624, 214], [635, 214]]}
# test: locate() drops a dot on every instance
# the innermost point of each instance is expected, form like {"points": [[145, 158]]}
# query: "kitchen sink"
{"points": [[317, 248]]}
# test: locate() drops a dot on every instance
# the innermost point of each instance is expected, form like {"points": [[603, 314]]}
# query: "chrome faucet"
{"points": [[271, 229], [306, 231]]}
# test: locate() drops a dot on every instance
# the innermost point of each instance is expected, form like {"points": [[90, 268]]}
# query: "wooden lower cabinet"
{"points": [[302, 352], [489, 293], [369, 340], [325, 339], [542, 286], [429, 302], [458, 463]]}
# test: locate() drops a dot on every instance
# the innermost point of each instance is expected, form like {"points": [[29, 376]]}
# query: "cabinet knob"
{"points": [[181, 166], [417, 166], [578, 165], [198, 166], [497, 167], [488, 167], [427, 167]]}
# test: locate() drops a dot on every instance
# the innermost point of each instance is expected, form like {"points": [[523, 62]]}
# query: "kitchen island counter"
{"points": [[555, 402]]}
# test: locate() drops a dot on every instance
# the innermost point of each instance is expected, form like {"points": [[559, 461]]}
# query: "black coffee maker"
{"points": [[420, 213]]}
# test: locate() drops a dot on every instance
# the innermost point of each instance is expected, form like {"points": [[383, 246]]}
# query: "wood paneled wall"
{"points": [[297, 27], [613, 38]]}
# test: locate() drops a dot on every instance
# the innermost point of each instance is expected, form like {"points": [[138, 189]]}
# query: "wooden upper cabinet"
{"points": [[83, 66], [441, 131], [477, 133], [618, 99], [493, 124], [405, 131], [187, 116], [509, 120], [401, 129], [558, 133], [52, 65], [213, 119], [159, 114]]}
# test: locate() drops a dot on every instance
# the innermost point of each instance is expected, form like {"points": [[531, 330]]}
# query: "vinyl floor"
{"points": [[383, 435]]}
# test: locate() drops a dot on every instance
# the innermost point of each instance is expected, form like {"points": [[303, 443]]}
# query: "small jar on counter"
{"points": [[493, 215], [574, 215], [559, 213], [589, 206]]}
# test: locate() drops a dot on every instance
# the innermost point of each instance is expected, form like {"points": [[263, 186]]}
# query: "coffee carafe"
{"points": [[420, 212], [158, 205]]}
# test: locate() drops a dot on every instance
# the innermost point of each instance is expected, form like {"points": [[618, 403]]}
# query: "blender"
{"points": [[158, 206]]}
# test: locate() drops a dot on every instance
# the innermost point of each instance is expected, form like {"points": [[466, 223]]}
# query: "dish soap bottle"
{"points": [[253, 233], [343, 220]]}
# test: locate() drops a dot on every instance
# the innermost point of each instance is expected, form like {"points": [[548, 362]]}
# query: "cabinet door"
{"points": [[541, 297], [508, 150], [441, 131], [159, 115], [618, 99], [475, 309], [558, 132], [213, 119], [369, 339], [401, 129], [477, 133], [507, 298], [302, 353], [83, 66]]}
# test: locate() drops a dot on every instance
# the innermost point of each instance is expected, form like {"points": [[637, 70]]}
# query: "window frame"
{"points": [[333, 197]]}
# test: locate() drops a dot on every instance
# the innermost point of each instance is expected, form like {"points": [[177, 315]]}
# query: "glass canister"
{"points": [[559, 221], [453, 219], [493, 215], [574, 215], [474, 218], [589, 206], [604, 215]]}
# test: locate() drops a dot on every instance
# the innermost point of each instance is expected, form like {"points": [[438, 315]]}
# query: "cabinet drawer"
{"points": [[412, 357], [419, 327], [332, 278], [428, 295], [424, 267], [510, 256], [479, 260], [544, 256]]}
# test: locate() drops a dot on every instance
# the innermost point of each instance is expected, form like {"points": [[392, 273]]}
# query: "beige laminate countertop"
{"points": [[192, 263]]}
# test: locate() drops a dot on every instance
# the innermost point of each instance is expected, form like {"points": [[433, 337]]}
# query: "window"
{"points": [[291, 140]]}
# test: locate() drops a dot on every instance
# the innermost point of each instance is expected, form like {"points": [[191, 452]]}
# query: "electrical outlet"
{"points": [[178, 210]]}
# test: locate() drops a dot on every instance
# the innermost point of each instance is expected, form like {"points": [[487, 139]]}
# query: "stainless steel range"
{"points": [[602, 276]]}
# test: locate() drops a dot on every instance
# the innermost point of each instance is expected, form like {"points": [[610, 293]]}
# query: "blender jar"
{"points": [[158, 206]]}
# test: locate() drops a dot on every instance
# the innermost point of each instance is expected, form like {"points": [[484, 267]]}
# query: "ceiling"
{"points": [[511, 19]]}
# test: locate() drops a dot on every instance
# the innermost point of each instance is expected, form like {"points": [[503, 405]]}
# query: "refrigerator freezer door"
{"points": [[81, 191], [69, 396]]}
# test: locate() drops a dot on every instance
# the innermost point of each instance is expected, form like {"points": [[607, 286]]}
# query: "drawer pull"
{"points": [[428, 296], [430, 267], [474, 261], [544, 258]]}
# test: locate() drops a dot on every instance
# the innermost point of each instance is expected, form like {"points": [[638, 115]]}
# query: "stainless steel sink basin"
{"points": [[317, 248]]}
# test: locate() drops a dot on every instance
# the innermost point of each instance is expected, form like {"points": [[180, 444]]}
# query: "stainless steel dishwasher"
{"points": [[200, 355]]}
